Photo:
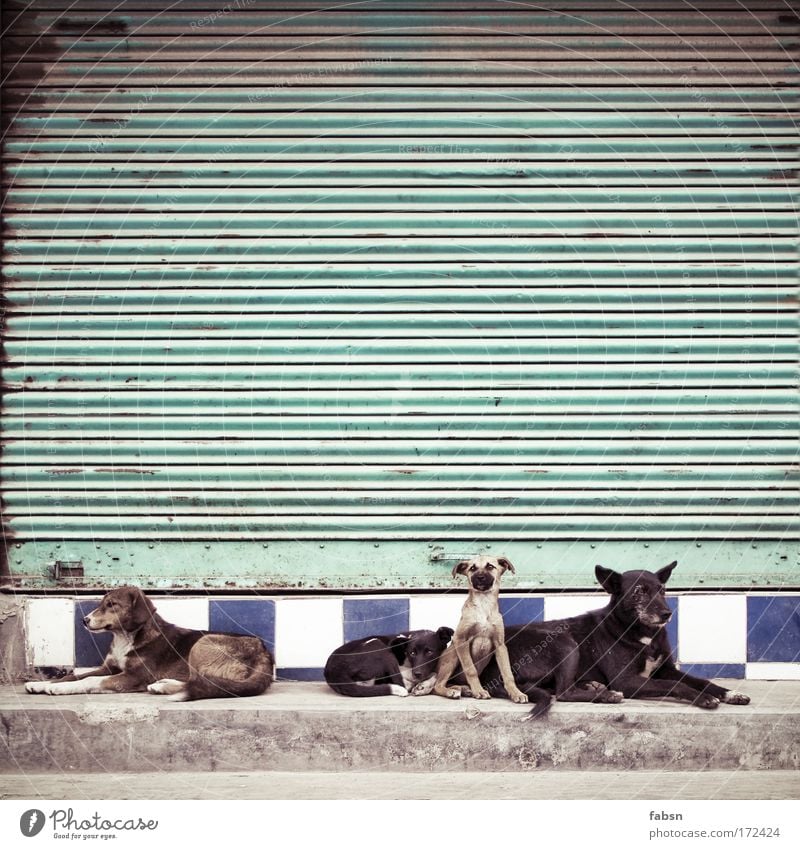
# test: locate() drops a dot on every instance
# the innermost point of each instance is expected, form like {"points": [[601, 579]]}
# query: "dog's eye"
{"points": [[473, 569], [490, 566], [428, 651]]}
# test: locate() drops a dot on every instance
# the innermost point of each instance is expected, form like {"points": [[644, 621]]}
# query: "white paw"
{"points": [[734, 698], [424, 688], [165, 687], [37, 687], [397, 690], [183, 696]]}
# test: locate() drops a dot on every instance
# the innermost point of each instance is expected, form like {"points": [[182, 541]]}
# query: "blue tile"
{"points": [[672, 625], [367, 617], [520, 611], [244, 616], [773, 629], [714, 670], [90, 649], [302, 673]]}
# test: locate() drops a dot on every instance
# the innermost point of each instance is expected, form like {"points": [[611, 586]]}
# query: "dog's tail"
{"points": [[539, 698], [223, 679]]}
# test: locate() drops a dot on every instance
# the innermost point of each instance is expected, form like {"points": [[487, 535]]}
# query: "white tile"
{"points": [[712, 628], [186, 612], [307, 630], [435, 611], [772, 671], [51, 631], [561, 606]]}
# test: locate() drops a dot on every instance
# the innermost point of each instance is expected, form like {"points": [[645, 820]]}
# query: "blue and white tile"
{"points": [[50, 632], [307, 630], [186, 612], [561, 606], [433, 612], [244, 616], [773, 629], [521, 609], [713, 629], [367, 617], [773, 671]]}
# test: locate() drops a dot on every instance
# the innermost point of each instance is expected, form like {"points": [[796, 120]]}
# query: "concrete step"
{"points": [[299, 727], [543, 784]]}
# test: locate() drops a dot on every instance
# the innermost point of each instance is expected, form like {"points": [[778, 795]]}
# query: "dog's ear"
{"points": [[142, 609], [398, 648], [460, 568], [609, 579], [507, 565], [445, 634], [663, 574]]}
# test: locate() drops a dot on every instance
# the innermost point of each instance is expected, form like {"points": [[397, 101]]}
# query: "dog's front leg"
{"points": [[514, 693], [43, 687], [638, 687], [448, 663], [94, 684], [464, 652]]}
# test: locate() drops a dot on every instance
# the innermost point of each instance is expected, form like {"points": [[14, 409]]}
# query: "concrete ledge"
{"points": [[305, 727]]}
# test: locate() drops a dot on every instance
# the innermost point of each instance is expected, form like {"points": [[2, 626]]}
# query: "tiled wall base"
{"points": [[725, 635]]}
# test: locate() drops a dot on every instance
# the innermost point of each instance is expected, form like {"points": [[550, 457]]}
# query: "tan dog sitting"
{"points": [[479, 635]]}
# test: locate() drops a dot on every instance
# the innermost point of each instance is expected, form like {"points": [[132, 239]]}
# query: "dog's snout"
{"points": [[666, 615], [86, 620]]}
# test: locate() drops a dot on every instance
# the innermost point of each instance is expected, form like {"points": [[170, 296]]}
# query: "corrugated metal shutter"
{"points": [[324, 298]]}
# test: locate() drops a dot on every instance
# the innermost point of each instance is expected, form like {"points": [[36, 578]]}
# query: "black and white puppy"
{"points": [[396, 665]]}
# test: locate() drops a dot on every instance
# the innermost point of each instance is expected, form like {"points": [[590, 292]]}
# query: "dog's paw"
{"points": [[732, 698], [397, 690], [422, 689], [707, 702], [453, 692], [518, 697], [612, 697], [481, 694], [166, 687], [37, 687]]}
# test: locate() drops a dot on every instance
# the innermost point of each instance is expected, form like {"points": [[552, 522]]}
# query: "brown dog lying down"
{"points": [[148, 653]]}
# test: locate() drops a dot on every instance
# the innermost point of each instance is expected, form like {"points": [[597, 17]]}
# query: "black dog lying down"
{"points": [[388, 665], [620, 651]]}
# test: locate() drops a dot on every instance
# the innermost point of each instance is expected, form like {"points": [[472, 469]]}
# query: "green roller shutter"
{"points": [[317, 297]]}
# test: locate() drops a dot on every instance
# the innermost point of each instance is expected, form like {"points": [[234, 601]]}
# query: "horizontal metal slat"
{"points": [[354, 225], [490, 248], [496, 6], [428, 199], [399, 427], [384, 377], [501, 300], [403, 399], [622, 526], [173, 99], [360, 449], [488, 349], [634, 276], [537, 22], [446, 324], [143, 124], [196, 47], [264, 475], [217, 502]]}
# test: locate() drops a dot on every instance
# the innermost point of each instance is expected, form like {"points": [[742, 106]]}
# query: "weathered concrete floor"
{"points": [[551, 784], [306, 728]]}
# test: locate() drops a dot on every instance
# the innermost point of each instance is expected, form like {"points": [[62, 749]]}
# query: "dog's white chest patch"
{"points": [[408, 675], [646, 640], [120, 646], [650, 665]]}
